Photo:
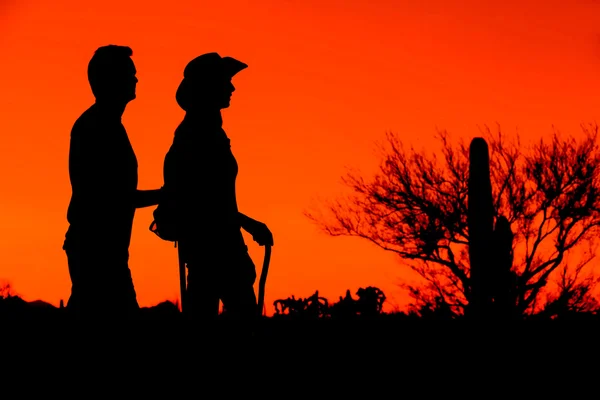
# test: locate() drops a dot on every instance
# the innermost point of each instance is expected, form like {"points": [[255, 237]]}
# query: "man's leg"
{"points": [[74, 263], [101, 284], [85, 295], [125, 297]]}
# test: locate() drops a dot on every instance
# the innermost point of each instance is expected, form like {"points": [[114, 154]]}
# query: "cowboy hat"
{"points": [[206, 67]]}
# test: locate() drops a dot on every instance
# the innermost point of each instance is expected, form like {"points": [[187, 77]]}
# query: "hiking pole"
{"points": [[182, 279], [263, 280]]}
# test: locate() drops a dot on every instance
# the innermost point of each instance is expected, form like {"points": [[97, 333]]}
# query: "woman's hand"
{"points": [[260, 233]]}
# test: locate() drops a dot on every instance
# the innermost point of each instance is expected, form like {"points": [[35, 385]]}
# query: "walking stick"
{"points": [[263, 280]]}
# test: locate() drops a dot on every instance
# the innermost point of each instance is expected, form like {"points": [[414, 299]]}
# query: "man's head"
{"points": [[207, 82], [111, 73]]}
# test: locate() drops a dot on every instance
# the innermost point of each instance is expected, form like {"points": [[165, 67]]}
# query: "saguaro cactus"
{"points": [[502, 285], [480, 219], [490, 248]]}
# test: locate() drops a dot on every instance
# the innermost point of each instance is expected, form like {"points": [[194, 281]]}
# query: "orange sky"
{"points": [[325, 81]]}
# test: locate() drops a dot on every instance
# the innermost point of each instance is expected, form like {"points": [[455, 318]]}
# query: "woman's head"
{"points": [[207, 82]]}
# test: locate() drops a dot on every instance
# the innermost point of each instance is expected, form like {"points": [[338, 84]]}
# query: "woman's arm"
{"points": [[245, 222]]}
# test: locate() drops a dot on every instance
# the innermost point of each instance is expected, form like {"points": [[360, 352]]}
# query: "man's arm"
{"points": [[147, 198]]}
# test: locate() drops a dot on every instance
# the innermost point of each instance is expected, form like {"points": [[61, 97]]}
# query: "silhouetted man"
{"points": [[104, 178], [201, 171]]}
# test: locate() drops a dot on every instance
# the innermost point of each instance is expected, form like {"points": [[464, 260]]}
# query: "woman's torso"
{"points": [[201, 171]]}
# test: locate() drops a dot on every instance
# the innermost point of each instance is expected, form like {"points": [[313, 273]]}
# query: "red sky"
{"points": [[324, 84]]}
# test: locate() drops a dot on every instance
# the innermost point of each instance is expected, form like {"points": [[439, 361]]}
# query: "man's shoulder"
{"points": [[87, 121]]}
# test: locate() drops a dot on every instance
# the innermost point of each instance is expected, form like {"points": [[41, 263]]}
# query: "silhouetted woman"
{"points": [[202, 170]]}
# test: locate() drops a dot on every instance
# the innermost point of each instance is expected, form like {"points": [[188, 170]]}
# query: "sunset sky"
{"points": [[326, 81]]}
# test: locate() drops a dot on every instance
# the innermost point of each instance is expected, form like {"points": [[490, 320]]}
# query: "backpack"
{"points": [[164, 223], [165, 217]]}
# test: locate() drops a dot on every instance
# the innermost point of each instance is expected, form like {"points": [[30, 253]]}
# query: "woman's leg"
{"points": [[202, 294], [237, 293]]}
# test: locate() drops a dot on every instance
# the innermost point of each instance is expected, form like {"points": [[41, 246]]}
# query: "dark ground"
{"points": [[323, 358], [163, 328]]}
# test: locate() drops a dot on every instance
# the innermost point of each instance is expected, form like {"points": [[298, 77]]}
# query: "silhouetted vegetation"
{"points": [[488, 233], [369, 304], [572, 302]]}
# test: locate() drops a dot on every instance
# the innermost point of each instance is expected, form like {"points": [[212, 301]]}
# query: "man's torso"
{"points": [[104, 177]]}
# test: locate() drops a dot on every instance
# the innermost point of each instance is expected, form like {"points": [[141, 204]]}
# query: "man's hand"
{"points": [[260, 233]]}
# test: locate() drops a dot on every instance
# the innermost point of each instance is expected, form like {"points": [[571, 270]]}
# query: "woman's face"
{"points": [[216, 93], [225, 93]]}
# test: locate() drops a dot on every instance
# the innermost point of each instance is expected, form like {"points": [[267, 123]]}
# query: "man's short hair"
{"points": [[103, 65]]}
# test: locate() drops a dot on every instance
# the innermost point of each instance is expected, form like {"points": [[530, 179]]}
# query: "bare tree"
{"points": [[416, 206], [574, 294]]}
